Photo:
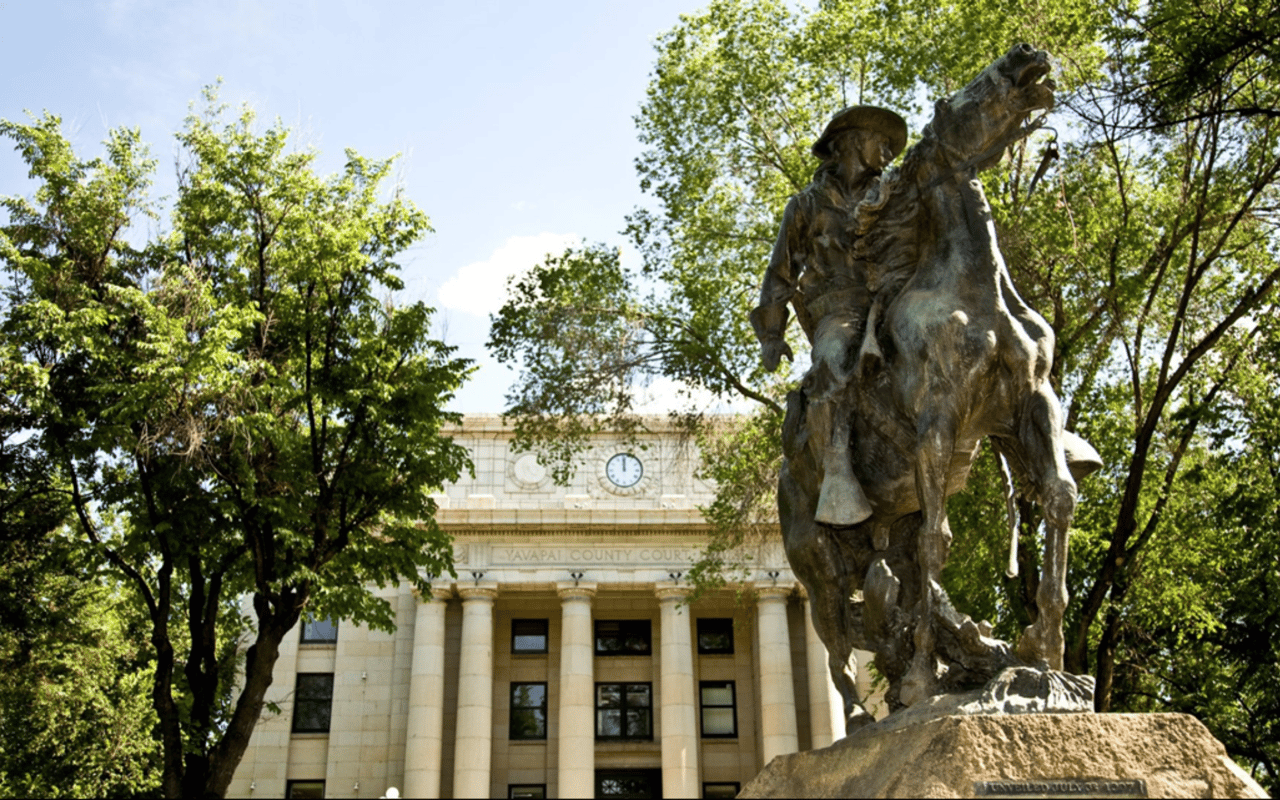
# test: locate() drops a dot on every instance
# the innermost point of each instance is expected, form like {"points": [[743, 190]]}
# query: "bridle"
{"points": [[1018, 134]]}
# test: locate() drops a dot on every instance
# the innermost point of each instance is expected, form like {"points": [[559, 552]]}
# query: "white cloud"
{"points": [[480, 288], [664, 395]]}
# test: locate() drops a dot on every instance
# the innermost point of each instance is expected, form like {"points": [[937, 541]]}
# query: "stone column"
{"points": [[826, 706], [577, 740], [422, 746], [473, 739], [777, 693], [679, 709]]}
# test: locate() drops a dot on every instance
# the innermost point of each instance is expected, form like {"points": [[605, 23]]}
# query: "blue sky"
{"points": [[514, 119]]}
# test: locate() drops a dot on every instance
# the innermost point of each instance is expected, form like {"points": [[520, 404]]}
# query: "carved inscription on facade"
{"points": [[615, 556]]}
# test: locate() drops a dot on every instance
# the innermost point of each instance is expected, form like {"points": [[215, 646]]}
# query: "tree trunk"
{"points": [[259, 665], [1106, 671]]}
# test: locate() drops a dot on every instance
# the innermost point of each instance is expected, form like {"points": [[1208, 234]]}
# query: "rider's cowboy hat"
{"points": [[869, 118]]}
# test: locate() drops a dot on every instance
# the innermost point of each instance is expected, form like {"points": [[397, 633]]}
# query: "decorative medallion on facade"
{"points": [[526, 472]]}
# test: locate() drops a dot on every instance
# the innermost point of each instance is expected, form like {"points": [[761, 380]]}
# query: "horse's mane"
{"points": [[884, 226]]}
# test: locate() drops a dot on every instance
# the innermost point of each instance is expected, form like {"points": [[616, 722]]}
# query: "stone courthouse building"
{"points": [[563, 661]]}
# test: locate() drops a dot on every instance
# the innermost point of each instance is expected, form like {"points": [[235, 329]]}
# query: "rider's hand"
{"points": [[772, 352]]}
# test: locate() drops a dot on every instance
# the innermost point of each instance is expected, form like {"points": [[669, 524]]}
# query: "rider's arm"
{"points": [[770, 317]]}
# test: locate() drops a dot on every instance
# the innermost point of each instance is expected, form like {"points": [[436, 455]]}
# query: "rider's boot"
{"points": [[841, 501]]}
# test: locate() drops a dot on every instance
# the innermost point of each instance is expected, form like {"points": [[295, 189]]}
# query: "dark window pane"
{"points": [[636, 783], [636, 644], [638, 723], [534, 791], [528, 711], [319, 630], [627, 637], [623, 711], [608, 637], [529, 636], [609, 723], [715, 635], [312, 702], [304, 790], [528, 723], [529, 695], [720, 791], [637, 694], [609, 695]]}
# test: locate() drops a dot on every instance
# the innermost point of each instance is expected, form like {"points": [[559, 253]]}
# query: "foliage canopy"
{"points": [[233, 407], [1151, 247]]}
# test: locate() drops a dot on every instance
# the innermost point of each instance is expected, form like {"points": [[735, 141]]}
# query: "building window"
{"points": [[313, 702], [717, 791], [635, 783], [715, 635], [526, 791], [623, 637], [319, 631], [528, 711], [624, 711], [304, 790], [719, 715], [528, 636]]}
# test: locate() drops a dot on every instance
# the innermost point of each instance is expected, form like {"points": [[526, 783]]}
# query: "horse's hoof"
{"points": [[912, 692], [1035, 651], [916, 686], [858, 720]]}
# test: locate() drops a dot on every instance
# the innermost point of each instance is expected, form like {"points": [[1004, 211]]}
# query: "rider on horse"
{"points": [[818, 266]]}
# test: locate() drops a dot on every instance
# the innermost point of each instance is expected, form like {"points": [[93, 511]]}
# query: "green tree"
{"points": [[739, 93], [236, 407], [1222, 54], [1151, 248], [75, 717]]}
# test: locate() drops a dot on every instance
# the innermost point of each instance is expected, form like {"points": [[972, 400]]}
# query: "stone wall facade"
{"points": [[697, 700]]}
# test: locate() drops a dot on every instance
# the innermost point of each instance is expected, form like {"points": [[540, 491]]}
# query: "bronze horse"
{"points": [[952, 355]]}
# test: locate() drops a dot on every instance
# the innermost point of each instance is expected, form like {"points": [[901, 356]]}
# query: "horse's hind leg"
{"points": [[816, 559], [836, 626], [1044, 457], [820, 563]]}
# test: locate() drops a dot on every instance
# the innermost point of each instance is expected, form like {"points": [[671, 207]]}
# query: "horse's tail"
{"points": [[1011, 506]]}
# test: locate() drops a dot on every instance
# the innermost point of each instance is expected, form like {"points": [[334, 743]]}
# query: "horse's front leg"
{"points": [[936, 438], [1044, 454]]}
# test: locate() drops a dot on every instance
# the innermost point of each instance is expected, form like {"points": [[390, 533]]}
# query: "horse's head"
{"points": [[981, 119]]}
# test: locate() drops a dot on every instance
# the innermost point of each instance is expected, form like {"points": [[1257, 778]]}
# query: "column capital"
{"points": [[487, 592], [767, 591], [582, 590], [439, 592], [671, 592]]}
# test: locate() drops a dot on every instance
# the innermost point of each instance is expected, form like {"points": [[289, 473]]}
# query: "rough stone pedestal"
{"points": [[1000, 755]]}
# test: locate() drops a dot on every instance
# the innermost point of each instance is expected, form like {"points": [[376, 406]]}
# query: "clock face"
{"points": [[624, 470]]}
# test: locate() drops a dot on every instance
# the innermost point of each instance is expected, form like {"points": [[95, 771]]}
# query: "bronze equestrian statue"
{"points": [[922, 348]]}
